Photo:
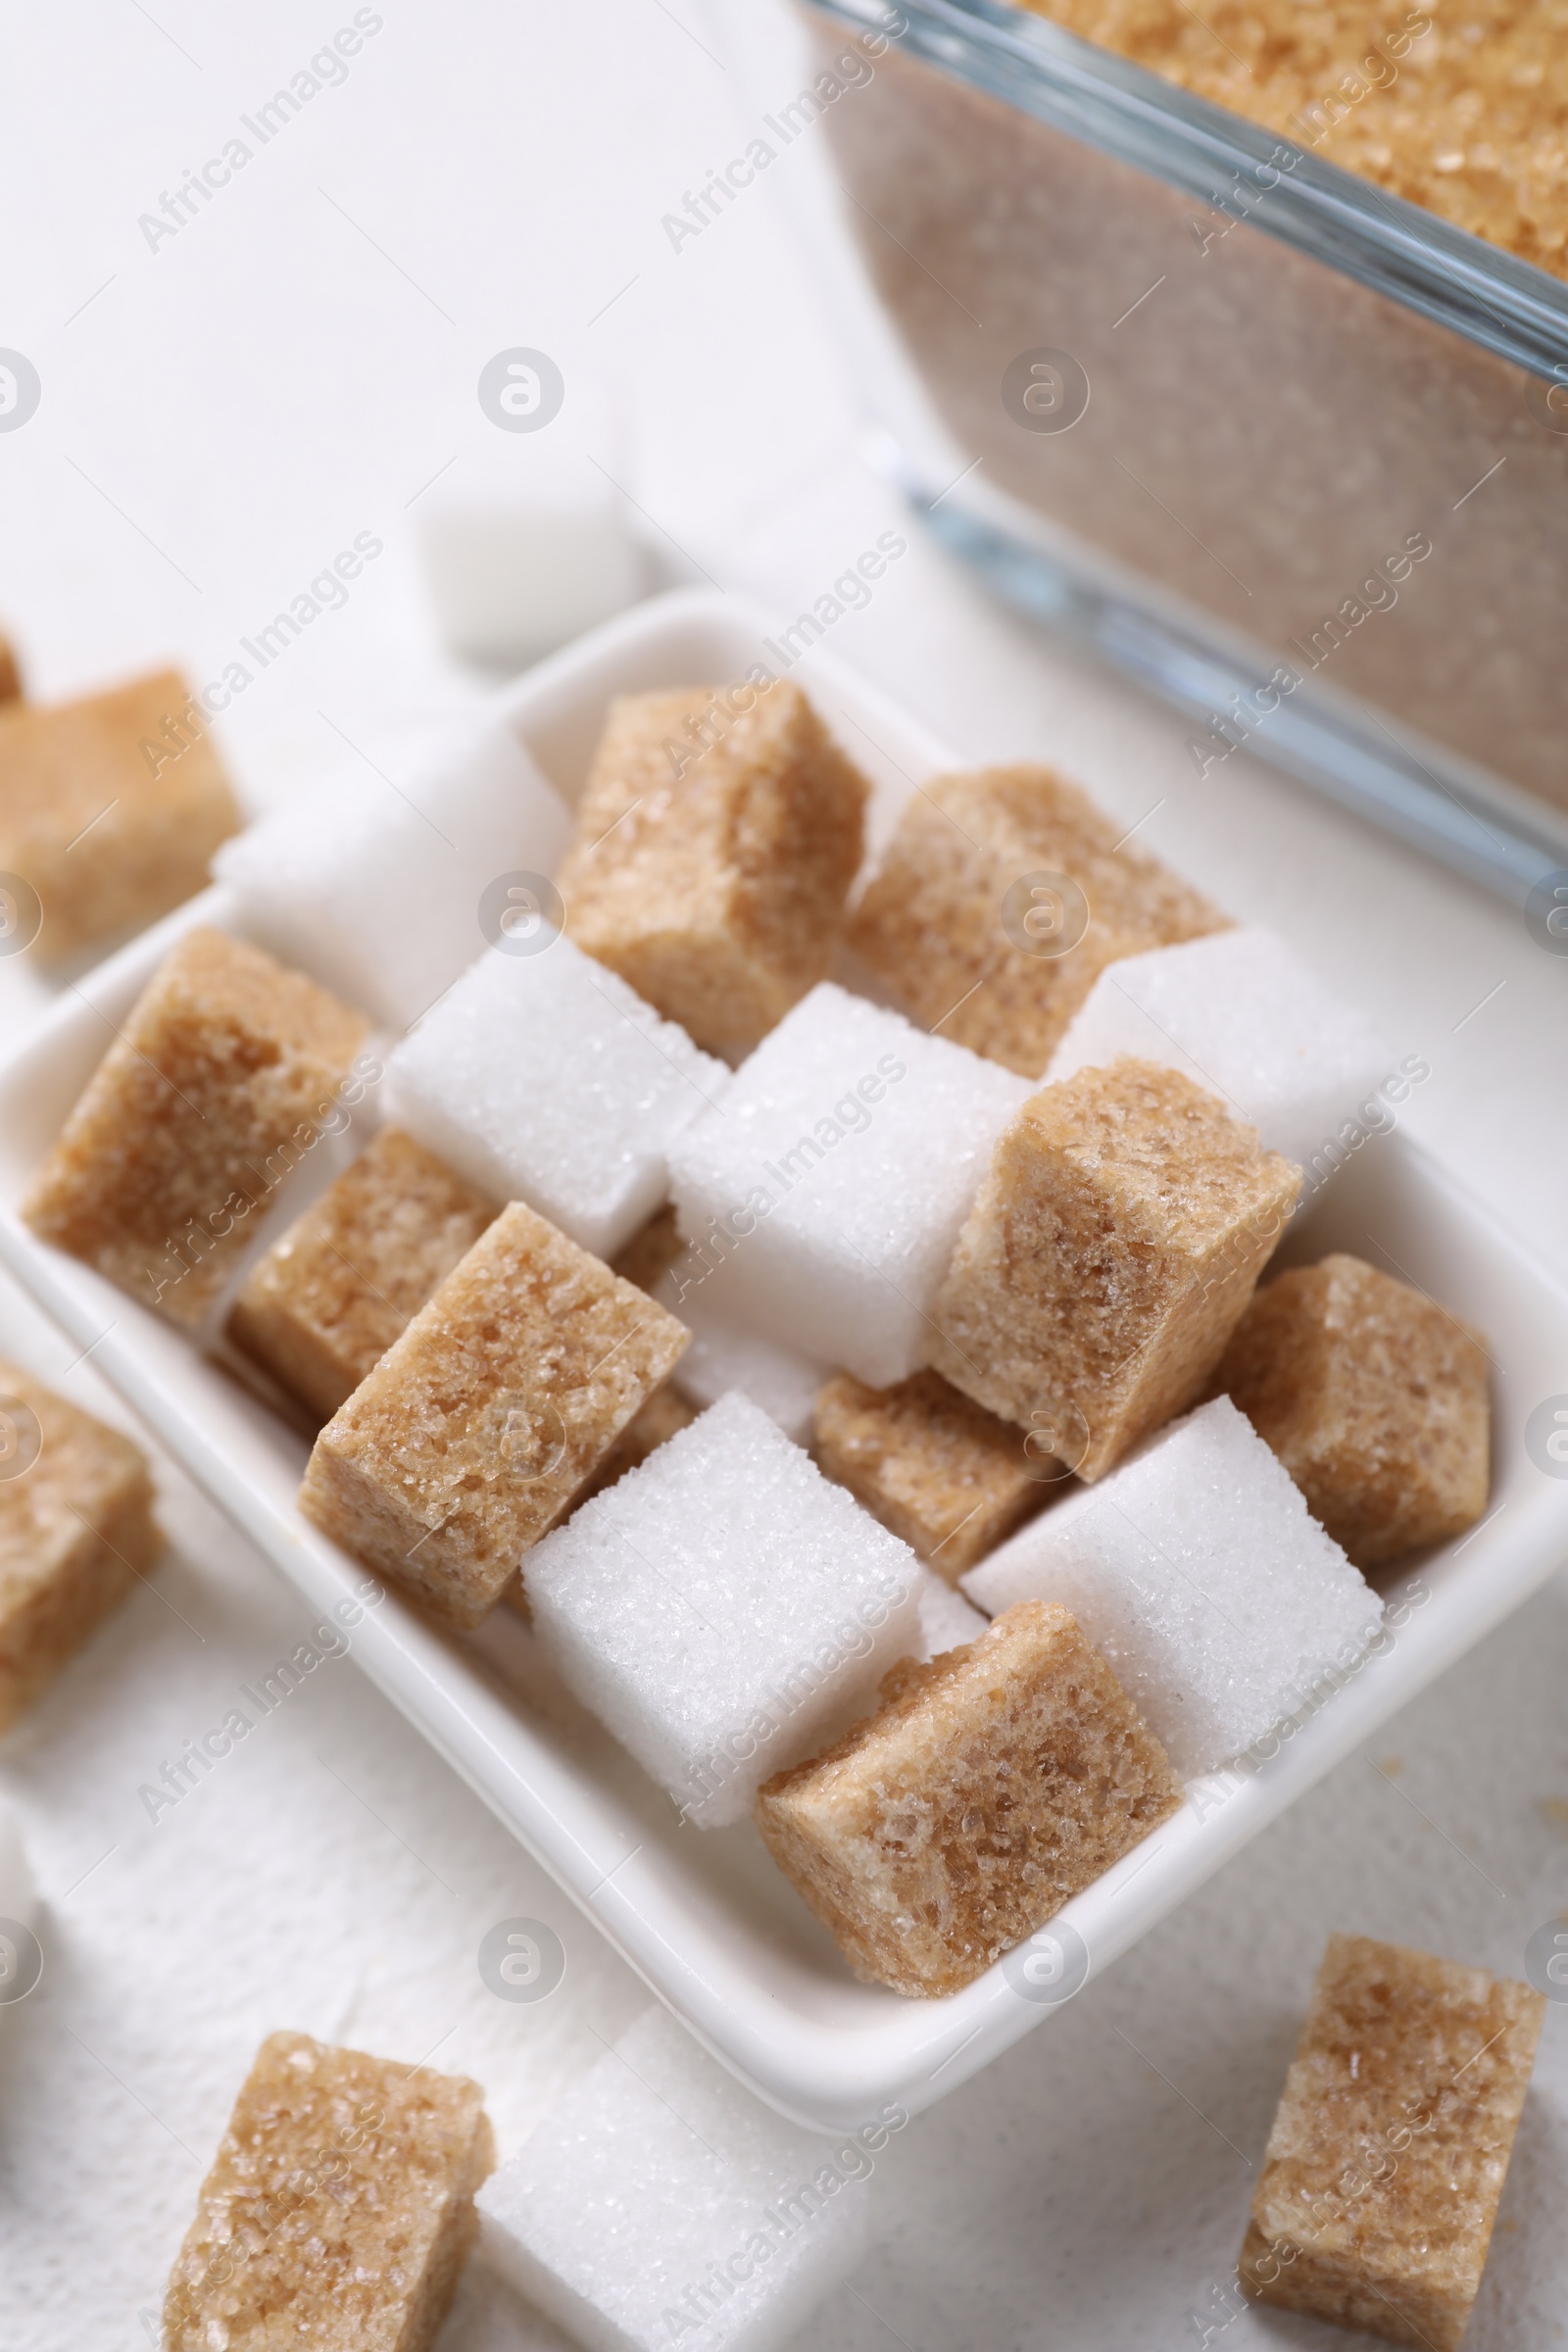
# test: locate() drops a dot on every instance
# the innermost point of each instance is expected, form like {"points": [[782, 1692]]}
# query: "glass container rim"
{"points": [[1478, 290]]}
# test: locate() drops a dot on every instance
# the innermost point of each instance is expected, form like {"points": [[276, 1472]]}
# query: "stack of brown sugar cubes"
{"points": [[1021, 1287]]}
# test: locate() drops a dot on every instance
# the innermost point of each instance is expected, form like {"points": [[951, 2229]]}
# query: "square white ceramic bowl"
{"points": [[703, 1915]]}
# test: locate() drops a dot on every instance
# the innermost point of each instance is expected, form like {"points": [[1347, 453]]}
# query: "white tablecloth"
{"points": [[224, 408]]}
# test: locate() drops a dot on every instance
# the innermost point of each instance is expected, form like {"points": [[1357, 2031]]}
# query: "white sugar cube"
{"points": [[725, 1355], [662, 2204], [512, 579], [1198, 1572], [376, 890], [946, 1621], [544, 1078], [721, 1606], [1237, 1013], [828, 1191]]}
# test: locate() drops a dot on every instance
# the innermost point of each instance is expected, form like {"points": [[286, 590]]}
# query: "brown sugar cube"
{"points": [[931, 1464], [718, 836], [1391, 2143], [339, 2208], [990, 1787], [652, 1250], [1375, 1400], [969, 927], [327, 1301], [479, 1426], [111, 807], [1112, 1247], [10, 672], [76, 1529], [224, 1076]]}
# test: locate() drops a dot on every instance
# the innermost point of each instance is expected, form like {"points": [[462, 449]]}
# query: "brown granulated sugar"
{"points": [[963, 923], [990, 1787], [76, 1529], [714, 879], [1460, 108], [327, 1301], [339, 2208], [1391, 2143], [1112, 1245], [1374, 1399], [931, 1464], [110, 807], [480, 1425], [209, 1097]]}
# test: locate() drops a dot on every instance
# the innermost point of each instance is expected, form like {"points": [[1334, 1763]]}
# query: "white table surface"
{"points": [[218, 418]]}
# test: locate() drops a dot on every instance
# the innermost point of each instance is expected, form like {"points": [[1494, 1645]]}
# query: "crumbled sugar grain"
{"points": [[1197, 1570], [544, 1078], [721, 1605], [661, 2203], [822, 1198]]}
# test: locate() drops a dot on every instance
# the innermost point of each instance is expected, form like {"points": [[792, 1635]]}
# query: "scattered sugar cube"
{"points": [[932, 1465], [717, 837], [947, 1620], [1238, 1014], [823, 1196], [544, 1078], [1110, 1250], [725, 1355], [991, 1786], [661, 2204], [1197, 1570], [479, 1426], [377, 890], [338, 2211], [229, 1070], [1391, 2143], [1002, 897], [110, 807], [10, 672], [1374, 1399], [76, 1529], [513, 579], [324, 1304], [720, 1606]]}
